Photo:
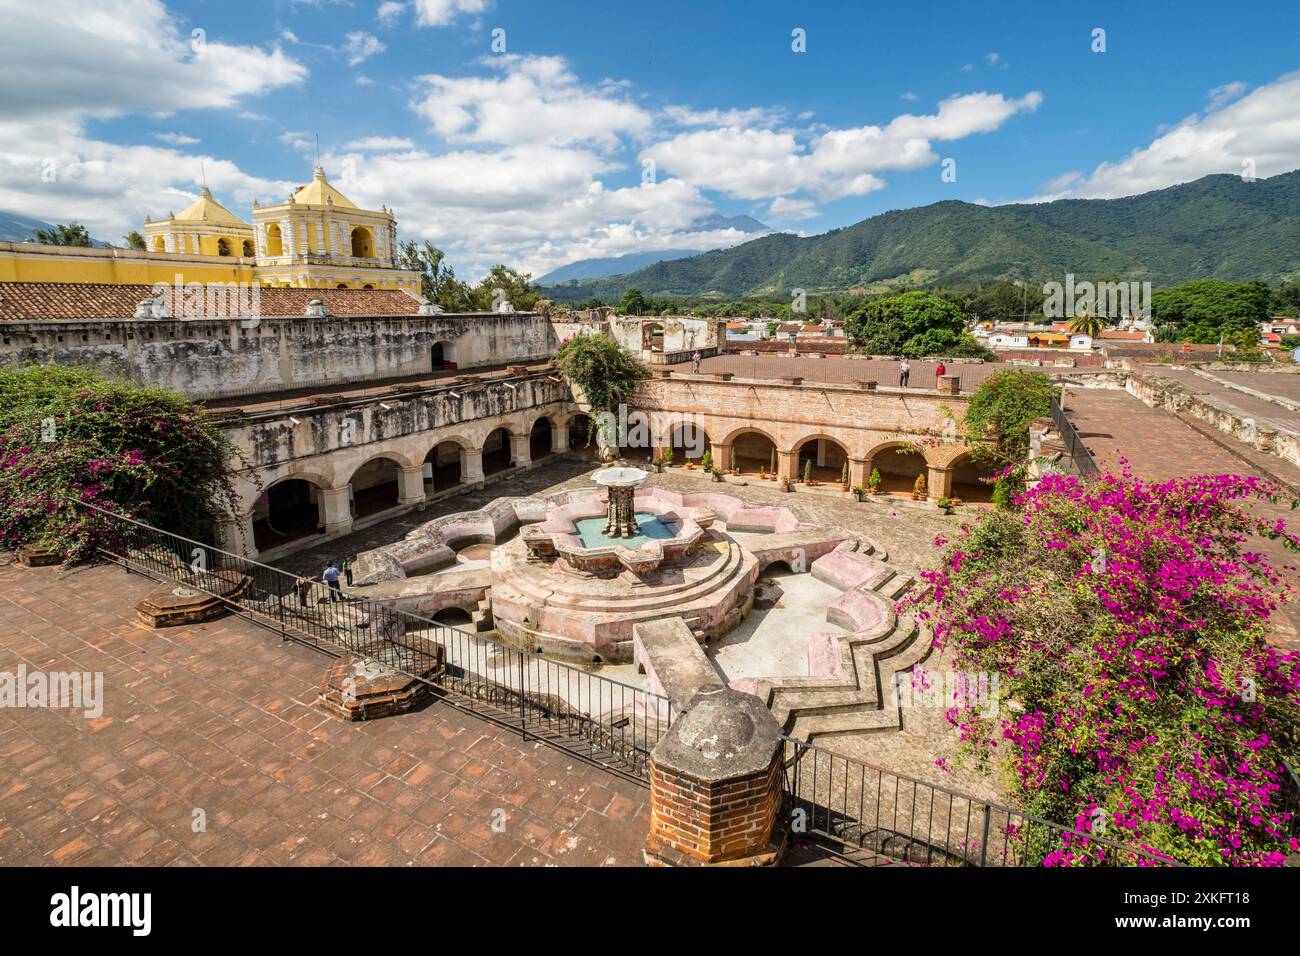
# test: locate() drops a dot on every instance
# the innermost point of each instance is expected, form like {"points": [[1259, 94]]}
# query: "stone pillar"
{"points": [[410, 485], [559, 440], [521, 454], [721, 456], [859, 472], [471, 465], [235, 534], [949, 384], [786, 462], [337, 513], [939, 482], [716, 787]]}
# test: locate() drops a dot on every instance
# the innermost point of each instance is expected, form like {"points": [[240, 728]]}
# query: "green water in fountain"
{"points": [[591, 531]]}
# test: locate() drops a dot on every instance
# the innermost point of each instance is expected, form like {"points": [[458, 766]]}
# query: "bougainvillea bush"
{"points": [[69, 435], [1140, 701]]}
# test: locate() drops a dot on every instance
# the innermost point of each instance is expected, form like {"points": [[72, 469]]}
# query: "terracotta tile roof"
{"points": [[43, 301], [1123, 335]]}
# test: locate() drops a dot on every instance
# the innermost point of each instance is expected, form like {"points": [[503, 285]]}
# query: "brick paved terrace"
{"points": [[220, 717], [838, 370], [1158, 446]]}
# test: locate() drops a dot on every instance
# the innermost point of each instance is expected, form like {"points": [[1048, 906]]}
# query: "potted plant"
{"points": [[668, 457], [873, 483], [716, 473], [807, 473], [772, 462], [945, 504], [844, 476], [734, 469], [707, 461], [657, 464], [785, 484], [859, 492], [919, 490]]}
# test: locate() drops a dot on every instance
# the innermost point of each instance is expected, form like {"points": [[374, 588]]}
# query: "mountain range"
{"points": [[1220, 227], [616, 265], [17, 228]]}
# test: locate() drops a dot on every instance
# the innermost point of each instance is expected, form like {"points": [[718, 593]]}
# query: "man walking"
{"points": [[695, 362], [303, 587], [347, 571], [331, 577], [904, 373]]}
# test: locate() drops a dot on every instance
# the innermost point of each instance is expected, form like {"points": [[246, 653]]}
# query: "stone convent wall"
{"points": [[208, 358]]}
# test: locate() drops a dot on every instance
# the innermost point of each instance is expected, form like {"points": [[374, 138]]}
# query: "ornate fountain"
{"points": [[621, 484]]}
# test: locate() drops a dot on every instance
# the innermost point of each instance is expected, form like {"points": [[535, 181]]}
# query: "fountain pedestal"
{"points": [[621, 483]]}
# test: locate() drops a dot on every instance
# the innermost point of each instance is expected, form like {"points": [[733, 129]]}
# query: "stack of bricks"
{"points": [[949, 385], [716, 785]]}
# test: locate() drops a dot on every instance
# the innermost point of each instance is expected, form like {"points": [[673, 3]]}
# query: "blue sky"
{"points": [[541, 153]]}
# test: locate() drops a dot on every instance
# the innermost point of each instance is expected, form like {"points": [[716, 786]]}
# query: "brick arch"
{"points": [[931, 454], [249, 496], [398, 457], [742, 429], [824, 436]]}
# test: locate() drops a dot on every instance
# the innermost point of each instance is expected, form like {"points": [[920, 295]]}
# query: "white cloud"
{"points": [[910, 97], [379, 143], [531, 205], [791, 210], [1221, 96], [755, 116], [118, 56], [1262, 128], [760, 164], [535, 100], [388, 12], [63, 63], [440, 13], [288, 36], [992, 59], [362, 46]]}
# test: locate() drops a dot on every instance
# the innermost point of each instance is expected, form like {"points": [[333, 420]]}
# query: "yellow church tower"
{"points": [[320, 238], [203, 228]]}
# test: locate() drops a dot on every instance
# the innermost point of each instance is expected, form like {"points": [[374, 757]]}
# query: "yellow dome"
{"points": [[318, 192], [207, 209]]}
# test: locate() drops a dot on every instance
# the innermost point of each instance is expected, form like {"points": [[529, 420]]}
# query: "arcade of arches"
{"points": [[300, 506]]}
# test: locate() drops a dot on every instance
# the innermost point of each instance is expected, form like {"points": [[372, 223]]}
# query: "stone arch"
{"points": [[966, 478], [899, 464], [223, 246], [541, 438], [444, 465], [274, 241], [578, 426], [288, 509], [363, 243], [828, 457], [159, 244], [247, 249], [442, 355], [652, 336], [498, 454], [374, 485], [689, 441], [753, 449]]}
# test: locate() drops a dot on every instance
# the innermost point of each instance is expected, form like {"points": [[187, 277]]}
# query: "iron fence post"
{"points": [[984, 840], [523, 709]]}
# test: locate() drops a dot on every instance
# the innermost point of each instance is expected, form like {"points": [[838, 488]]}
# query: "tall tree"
{"points": [[71, 234], [134, 240]]}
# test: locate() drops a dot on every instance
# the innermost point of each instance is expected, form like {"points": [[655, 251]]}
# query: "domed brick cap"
{"points": [[724, 734]]}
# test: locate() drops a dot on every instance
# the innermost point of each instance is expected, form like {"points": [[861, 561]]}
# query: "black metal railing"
{"points": [[1079, 454], [595, 718], [871, 816]]}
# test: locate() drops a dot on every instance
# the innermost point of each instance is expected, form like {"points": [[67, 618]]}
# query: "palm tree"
{"points": [[1085, 324]]}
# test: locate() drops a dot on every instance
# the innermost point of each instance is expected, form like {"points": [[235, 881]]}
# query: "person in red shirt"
{"points": [[938, 372]]}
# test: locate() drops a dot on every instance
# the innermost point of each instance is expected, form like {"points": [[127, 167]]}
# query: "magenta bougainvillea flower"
{"points": [[1141, 700]]}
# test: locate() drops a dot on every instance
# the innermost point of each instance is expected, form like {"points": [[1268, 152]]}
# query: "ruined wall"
{"points": [[327, 443], [205, 358]]}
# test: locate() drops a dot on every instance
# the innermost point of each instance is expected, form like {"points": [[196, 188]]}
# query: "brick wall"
{"points": [[701, 822]]}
